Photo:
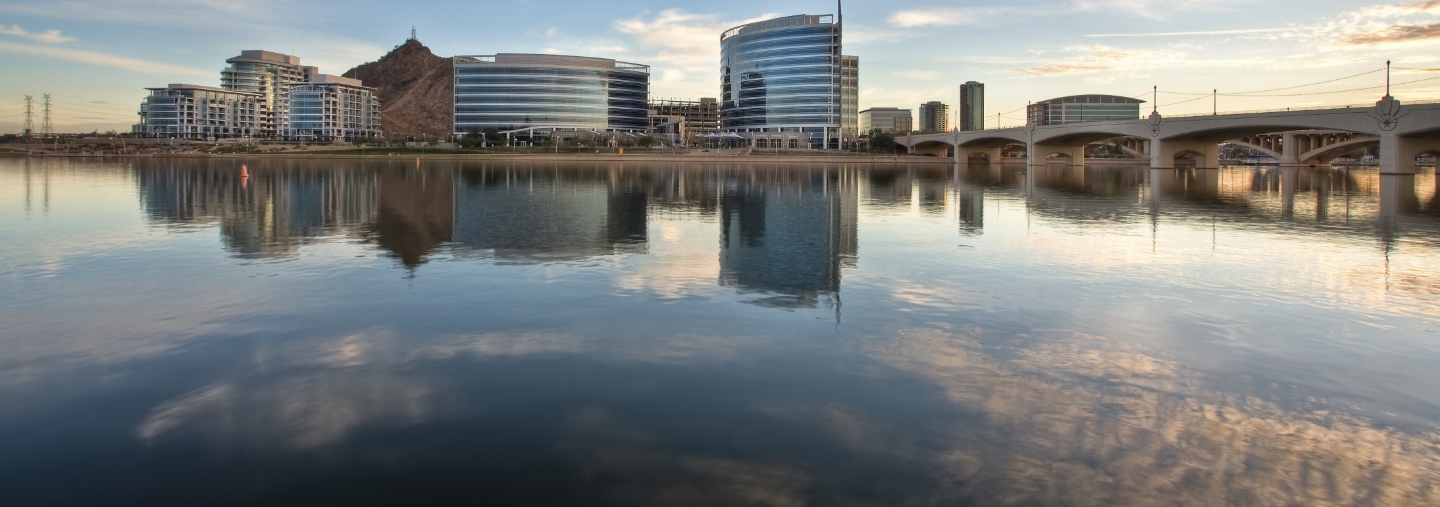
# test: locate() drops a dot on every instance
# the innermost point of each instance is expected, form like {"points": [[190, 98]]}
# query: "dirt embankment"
{"points": [[415, 89]]}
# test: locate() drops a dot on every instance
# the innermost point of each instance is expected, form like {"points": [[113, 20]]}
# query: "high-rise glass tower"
{"points": [[972, 106], [783, 76]]}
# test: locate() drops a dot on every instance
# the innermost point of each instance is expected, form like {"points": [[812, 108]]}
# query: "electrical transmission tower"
{"points": [[46, 129], [29, 116]]}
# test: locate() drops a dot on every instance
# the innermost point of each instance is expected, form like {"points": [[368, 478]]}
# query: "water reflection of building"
{"points": [[924, 188], [788, 233], [528, 215], [270, 214]]}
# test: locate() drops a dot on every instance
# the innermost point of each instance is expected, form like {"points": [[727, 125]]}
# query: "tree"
{"points": [[882, 141], [647, 141]]}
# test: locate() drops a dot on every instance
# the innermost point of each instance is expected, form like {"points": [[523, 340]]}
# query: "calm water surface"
{"points": [[368, 333]]}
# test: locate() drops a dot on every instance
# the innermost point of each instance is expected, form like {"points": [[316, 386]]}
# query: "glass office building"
{"points": [[1083, 108], [783, 76], [539, 95]]}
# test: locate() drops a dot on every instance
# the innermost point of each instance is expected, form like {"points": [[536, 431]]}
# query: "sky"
{"points": [[96, 57]]}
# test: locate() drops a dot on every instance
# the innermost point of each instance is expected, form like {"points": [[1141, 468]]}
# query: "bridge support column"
{"points": [[1290, 149], [1397, 154], [938, 150], [1039, 152], [963, 155], [1163, 152]]}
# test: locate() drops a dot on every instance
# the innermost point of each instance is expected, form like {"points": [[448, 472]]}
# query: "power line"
{"points": [[1232, 94]]}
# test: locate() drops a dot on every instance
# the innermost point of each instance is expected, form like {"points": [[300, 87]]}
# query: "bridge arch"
{"points": [[1272, 153], [932, 148]]}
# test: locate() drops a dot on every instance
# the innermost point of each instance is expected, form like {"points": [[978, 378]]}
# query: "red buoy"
{"points": [[244, 172]]}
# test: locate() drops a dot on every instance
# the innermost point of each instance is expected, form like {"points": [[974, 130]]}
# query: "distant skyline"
{"points": [[95, 58]]}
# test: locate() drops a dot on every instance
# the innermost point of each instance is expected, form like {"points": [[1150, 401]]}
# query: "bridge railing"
{"points": [[1281, 110]]}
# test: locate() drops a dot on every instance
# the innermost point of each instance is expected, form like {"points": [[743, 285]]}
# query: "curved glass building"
{"points": [[543, 94], [782, 76]]}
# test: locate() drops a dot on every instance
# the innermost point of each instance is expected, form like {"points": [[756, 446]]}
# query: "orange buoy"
{"points": [[244, 172], [417, 162]]}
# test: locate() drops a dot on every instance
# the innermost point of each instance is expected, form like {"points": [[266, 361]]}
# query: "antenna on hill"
{"points": [[412, 33]]}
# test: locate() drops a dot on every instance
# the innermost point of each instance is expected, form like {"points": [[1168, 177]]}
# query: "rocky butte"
{"points": [[415, 89]]}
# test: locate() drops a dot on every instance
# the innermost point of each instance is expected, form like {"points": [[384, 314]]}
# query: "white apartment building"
{"points": [[328, 108], [185, 111], [270, 75]]}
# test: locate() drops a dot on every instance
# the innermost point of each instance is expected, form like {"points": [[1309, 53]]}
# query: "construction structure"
{"points": [[701, 116]]}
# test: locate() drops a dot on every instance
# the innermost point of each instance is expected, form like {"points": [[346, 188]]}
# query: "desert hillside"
{"points": [[415, 89]]}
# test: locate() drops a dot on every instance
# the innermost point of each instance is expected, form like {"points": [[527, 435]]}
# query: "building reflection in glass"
{"points": [[787, 233]]}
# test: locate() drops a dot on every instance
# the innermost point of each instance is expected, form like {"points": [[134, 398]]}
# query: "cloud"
{"points": [[683, 42], [1209, 32], [943, 17], [48, 37], [1395, 34], [1094, 59], [103, 60]]}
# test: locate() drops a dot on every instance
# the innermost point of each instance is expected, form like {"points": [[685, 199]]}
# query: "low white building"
{"points": [[185, 111], [328, 108]]}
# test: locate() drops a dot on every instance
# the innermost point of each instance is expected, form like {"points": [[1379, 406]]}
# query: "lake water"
{"points": [[373, 333]]}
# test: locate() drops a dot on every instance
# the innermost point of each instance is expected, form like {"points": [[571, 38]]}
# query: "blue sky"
{"points": [[95, 57]]}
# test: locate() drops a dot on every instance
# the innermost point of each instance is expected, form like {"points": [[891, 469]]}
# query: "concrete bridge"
{"points": [[1298, 137]]}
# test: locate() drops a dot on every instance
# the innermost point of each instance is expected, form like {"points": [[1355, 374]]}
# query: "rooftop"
{"points": [[550, 61], [261, 56], [771, 24]]}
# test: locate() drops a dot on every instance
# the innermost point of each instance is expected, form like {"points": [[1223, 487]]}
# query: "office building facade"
{"points": [[783, 76], [849, 97], [185, 111], [1083, 108], [886, 119], [972, 106], [327, 108], [701, 116], [269, 74], [540, 95], [934, 117]]}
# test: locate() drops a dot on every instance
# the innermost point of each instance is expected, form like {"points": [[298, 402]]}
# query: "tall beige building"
{"points": [[849, 98]]}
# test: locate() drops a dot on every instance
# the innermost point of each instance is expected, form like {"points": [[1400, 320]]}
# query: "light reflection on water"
{"points": [[373, 333]]}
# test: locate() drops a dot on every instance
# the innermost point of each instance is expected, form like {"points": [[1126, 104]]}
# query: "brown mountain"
{"points": [[415, 89]]}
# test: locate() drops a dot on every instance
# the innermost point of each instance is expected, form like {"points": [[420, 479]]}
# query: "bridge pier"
{"points": [[1397, 153], [1163, 152], [963, 154], [1039, 152]]}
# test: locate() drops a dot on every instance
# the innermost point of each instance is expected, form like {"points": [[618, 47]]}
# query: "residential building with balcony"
{"points": [[185, 111], [269, 74], [329, 108], [934, 117], [850, 97]]}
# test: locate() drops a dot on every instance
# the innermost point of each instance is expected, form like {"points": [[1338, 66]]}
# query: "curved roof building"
{"points": [[783, 75], [546, 93]]}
